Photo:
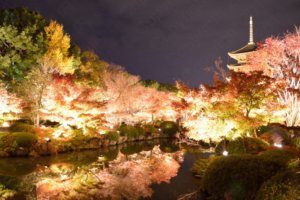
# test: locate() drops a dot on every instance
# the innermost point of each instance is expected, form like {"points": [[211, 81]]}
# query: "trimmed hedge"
{"points": [[24, 139], [149, 128], [112, 136], [22, 127], [274, 134], [18, 139], [240, 176], [169, 128], [242, 145], [296, 142], [200, 166], [283, 186], [131, 131]]}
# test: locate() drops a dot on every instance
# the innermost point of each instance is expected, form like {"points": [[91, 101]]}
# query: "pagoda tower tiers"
{"points": [[241, 54]]}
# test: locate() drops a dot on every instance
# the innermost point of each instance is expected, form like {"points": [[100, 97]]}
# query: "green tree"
{"points": [[91, 70], [22, 42]]}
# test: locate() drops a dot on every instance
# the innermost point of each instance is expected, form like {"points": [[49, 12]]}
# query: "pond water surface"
{"points": [[143, 170]]}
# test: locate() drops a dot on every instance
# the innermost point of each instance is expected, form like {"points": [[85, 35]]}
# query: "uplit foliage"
{"points": [[10, 106], [32, 90], [230, 108], [129, 101], [71, 104], [280, 58], [58, 47]]}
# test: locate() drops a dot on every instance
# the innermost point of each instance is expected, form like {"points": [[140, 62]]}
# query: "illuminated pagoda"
{"points": [[241, 54]]}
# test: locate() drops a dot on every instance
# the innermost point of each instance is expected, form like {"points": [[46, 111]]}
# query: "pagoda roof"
{"points": [[247, 48]]}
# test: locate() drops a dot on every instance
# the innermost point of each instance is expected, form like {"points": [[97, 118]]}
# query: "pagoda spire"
{"points": [[251, 37]]}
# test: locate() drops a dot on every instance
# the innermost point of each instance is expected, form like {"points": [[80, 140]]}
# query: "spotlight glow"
{"points": [[278, 145], [225, 153]]}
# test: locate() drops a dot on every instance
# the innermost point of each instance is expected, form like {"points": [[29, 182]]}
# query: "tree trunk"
{"points": [[255, 133], [37, 120]]}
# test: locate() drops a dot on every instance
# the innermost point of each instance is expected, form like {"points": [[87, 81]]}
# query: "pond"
{"points": [[143, 170]]}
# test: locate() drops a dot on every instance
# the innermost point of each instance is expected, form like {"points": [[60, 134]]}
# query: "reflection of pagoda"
{"points": [[240, 55]]}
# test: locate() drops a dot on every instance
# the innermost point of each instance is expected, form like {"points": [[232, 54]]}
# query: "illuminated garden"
{"points": [[74, 126]]}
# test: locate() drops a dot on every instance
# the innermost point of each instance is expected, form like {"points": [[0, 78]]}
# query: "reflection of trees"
{"points": [[127, 177]]}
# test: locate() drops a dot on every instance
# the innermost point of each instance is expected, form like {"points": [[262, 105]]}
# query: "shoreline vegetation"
{"points": [[21, 140]]}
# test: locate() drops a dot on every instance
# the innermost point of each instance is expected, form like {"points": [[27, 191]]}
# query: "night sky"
{"points": [[166, 40]]}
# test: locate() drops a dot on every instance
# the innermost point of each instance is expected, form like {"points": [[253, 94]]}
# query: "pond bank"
{"points": [[47, 146]]}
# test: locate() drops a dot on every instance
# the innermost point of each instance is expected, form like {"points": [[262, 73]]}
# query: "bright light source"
{"points": [[57, 133], [159, 129], [47, 139], [102, 132], [278, 145], [225, 153], [101, 158], [5, 124], [63, 177]]}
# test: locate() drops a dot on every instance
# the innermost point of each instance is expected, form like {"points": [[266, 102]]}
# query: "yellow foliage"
{"points": [[58, 45]]}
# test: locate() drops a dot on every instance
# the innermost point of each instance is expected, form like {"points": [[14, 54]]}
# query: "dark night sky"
{"points": [[166, 40]]}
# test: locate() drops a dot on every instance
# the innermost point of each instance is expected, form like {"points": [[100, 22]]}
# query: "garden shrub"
{"points": [[169, 128], [150, 128], [284, 185], [274, 135], [280, 156], [296, 142], [140, 130], [130, 131], [237, 146], [255, 145], [6, 140], [240, 176], [17, 139], [200, 166], [24, 139], [112, 136], [264, 129], [242, 145], [22, 127]]}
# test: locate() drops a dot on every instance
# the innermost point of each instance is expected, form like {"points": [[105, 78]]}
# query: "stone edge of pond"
{"points": [[45, 148]]}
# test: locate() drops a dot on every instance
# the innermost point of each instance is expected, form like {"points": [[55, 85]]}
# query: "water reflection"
{"points": [[125, 172]]}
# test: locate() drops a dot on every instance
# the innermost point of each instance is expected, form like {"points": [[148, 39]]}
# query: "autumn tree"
{"points": [[250, 90], [32, 90], [74, 105], [280, 57], [58, 50], [128, 100], [10, 104]]}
